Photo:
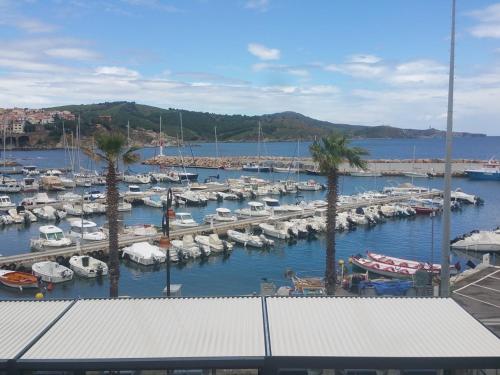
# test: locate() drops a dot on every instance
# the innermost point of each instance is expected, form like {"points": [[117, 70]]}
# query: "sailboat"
{"points": [[256, 167], [414, 174], [184, 175]]}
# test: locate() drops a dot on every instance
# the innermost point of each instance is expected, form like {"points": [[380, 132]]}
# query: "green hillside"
{"points": [[199, 126]]}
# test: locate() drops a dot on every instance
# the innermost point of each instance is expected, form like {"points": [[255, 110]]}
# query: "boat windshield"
{"points": [[257, 208], [272, 203], [223, 214], [55, 236]]}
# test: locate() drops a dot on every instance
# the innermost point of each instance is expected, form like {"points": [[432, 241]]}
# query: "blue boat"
{"points": [[490, 171]]}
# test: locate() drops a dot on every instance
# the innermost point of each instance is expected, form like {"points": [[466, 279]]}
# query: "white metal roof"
{"points": [[23, 321], [376, 328], [49, 229], [155, 328]]}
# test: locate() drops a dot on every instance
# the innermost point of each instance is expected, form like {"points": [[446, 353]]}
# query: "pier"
{"points": [[27, 259]]}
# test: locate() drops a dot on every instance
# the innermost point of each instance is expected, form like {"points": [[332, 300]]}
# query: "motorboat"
{"points": [[83, 181], [143, 230], [170, 176], [478, 241], [52, 272], [49, 213], [85, 230], [187, 176], [144, 253], [98, 180], [16, 217], [30, 170], [197, 186], [273, 205], [222, 215], [403, 189], [51, 183], [136, 178], [309, 185], [247, 239], [214, 243], [37, 200], [460, 196], [187, 248], [5, 218], [192, 198], [68, 182], [184, 220], [50, 237], [10, 186], [94, 208], [383, 269], [53, 172], [93, 195], [6, 203], [255, 167], [73, 209], [86, 266], [228, 196], [124, 206], [153, 201], [254, 209], [133, 191], [16, 279], [288, 169], [69, 197], [416, 174], [489, 171], [21, 215], [277, 230]]}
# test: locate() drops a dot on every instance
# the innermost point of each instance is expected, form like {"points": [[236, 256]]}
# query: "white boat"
{"points": [[273, 205], [5, 218], [83, 181], [49, 213], [365, 173], [53, 172], [10, 187], [153, 201], [124, 206], [86, 266], [73, 209], [248, 239], [136, 179], [187, 248], [228, 196], [171, 176], [29, 184], [69, 197], [277, 230], [30, 170], [310, 185], [52, 272], [21, 215], [184, 220], [134, 191], [416, 174], [37, 200], [405, 188], [478, 241], [460, 196], [68, 182], [193, 198], [144, 253], [51, 183], [222, 215], [93, 195], [141, 230], [94, 208], [6, 203], [85, 230], [288, 169], [214, 243], [254, 209], [50, 237]]}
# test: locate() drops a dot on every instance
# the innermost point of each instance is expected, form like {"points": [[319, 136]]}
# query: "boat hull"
{"points": [[483, 175]]}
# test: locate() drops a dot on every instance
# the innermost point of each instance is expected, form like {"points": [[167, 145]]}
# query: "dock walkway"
{"points": [[27, 259]]}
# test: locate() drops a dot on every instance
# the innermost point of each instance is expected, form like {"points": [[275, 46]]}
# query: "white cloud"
{"points": [[260, 5], [263, 52], [365, 59], [489, 22], [9, 16], [71, 53], [118, 71]]}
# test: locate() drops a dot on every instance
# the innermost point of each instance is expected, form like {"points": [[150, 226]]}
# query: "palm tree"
{"points": [[329, 153], [111, 149]]}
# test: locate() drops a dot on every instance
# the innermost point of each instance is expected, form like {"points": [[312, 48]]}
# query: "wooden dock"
{"points": [[27, 259]]}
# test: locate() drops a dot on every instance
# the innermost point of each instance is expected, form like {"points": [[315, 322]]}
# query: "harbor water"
{"points": [[241, 272]]}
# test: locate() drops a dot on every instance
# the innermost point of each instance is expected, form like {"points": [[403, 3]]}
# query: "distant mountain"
{"points": [[199, 126]]}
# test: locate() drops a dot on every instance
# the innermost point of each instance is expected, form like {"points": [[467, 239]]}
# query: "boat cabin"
{"points": [[223, 212], [30, 169], [183, 216], [256, 206], [83, 226], [51, 233], [134, 189], [271, 202]]}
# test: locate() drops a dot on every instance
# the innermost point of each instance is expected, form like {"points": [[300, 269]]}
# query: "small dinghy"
{"points": [[398, 262], [85, 230], [15, 279], [86, 266], [214, 243], [277, 230], [49, 213], [144, 253], [249, 240], [52, 272]]}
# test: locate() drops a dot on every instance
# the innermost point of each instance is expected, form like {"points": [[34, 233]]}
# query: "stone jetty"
{"points": [[387, 167]]}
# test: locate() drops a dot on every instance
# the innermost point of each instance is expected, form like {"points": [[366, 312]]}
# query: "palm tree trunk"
{"points": [[331, 219], [112, 198]]}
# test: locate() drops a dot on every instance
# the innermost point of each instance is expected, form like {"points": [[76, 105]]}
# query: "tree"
{"points": [[329, 153], [111, 148]]}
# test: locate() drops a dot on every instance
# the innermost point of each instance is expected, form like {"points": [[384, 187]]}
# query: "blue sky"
{"points": [[357, 61]]}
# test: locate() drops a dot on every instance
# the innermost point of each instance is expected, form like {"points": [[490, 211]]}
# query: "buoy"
{"points": [[39, 295]]}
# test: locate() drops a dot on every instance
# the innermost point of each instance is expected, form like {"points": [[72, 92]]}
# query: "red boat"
{"points": [[436, 268], [15, 279], [383, 269]]}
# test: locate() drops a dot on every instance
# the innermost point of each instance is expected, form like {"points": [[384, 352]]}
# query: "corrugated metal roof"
{"points": [[23, 321], [155, 328], [376, 328]]}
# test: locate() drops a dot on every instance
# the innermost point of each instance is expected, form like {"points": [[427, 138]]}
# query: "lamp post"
{"points": [[165, 239]]}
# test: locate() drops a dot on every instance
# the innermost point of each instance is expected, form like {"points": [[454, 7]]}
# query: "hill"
{"points": [[199, 126]]}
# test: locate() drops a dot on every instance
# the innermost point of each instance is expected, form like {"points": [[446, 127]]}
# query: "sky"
{"points": [[382, 62]]}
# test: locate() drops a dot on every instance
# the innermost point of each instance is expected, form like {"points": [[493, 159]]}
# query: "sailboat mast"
{"points": [[78, 144], [216, 144], [258, 146], [161, 140], [182, 130], [445, 243], [128, 132], [4, 136]]}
